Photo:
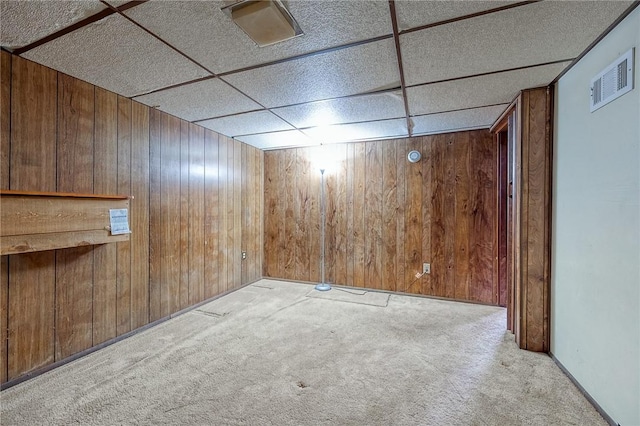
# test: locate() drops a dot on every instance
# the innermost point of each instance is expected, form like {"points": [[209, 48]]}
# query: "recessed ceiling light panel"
{"points": [[266, 22]]}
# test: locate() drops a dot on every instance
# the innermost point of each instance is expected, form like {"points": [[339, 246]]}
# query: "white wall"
{"points": [[595, 288]]}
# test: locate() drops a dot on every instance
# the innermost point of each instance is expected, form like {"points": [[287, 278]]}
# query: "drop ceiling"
{"points": [[364, 69]]}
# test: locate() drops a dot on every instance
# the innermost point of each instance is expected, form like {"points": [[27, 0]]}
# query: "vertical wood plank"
{"points": [[313, 232], [5, 154], [31, 318], [4, 312], [252, 225], [502, 234], [359, 230], [185, 292], [426, 143], [461, 254], [448, 289], [413, 220], [237, 214], [230, 214], [33, 126], [74, 156], [196, 215], [259, 191], [271, 219], [389, 216], [212, 215], [401, 164], [31, 312], [223, 260], [74, 266], [246, 211], [340, 216], [139, 218], [350, 237], [155, 215], [437, 216], [170, 180], [535, 214], [105, 181], [483, 219], [331, 182], [123, 286], [288, 199], [5, 119], [301, 215], [74, 285], [373, 215]]}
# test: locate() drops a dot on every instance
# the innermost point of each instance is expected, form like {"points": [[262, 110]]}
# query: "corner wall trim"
{"points": [[577, 384]]}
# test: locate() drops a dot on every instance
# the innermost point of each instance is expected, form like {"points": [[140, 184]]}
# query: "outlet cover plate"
{"points": [[426, 268]]}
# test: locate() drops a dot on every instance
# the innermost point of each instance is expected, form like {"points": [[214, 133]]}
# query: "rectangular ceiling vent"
{"points": [[612, 82]]}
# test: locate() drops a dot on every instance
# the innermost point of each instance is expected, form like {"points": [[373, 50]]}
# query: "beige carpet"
{"points": [[269, 354]]}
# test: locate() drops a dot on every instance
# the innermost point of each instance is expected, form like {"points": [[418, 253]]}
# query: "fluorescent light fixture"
{"points": [[266, 22]]}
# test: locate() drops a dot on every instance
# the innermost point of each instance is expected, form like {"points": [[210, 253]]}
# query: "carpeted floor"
{"points": [[277, 353]]}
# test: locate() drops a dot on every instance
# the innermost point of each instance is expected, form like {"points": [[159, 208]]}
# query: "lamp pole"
{"points": [[322, 286]]}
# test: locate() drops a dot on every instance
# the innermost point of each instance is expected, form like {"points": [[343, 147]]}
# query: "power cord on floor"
{"points": [[418, 276], [351, 292], [406, 290]]}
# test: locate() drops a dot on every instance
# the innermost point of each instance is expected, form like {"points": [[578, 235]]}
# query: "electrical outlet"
{"points": [[244, 255], [426, 268]]}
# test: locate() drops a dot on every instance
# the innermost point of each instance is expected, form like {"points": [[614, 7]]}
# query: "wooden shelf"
{"points": [[37, 221]]}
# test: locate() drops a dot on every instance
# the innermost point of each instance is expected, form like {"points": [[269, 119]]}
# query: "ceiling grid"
{"points": [[363, 70]]}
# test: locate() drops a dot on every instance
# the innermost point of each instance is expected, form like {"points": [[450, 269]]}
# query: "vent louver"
{"points": [[612, 82]]}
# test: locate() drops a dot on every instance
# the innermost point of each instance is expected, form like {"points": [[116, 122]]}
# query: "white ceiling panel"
{"points": [[196, 101], [537, 33], [479, 91], [359, 131], [345, 110], [365, 68], [457, 120], [412, 13], [274, 140], [115, 54], [244, 124], [202, 31], [24, 22]]}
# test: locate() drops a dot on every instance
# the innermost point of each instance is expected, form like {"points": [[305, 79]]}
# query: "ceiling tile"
{"points": [[479, 91], [364, 68], [115, 54], [274, 140], [359, 131], [244, 124], [412, 13], [457, 120], [344, 110], [196, 101], [536, 33], [205, 33], [24, 22]]}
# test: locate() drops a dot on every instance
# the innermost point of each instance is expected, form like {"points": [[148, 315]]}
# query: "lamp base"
{"points": [[323, 287]]}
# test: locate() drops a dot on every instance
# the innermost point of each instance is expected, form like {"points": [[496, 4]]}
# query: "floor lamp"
{"points": [[322, 286]]}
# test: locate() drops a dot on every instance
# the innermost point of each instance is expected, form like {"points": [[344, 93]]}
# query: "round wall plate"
{"points": [[414, 156]]}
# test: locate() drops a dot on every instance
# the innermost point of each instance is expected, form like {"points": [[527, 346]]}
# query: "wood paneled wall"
{"points": [[386, 216], [533, 246], [196, 206]]}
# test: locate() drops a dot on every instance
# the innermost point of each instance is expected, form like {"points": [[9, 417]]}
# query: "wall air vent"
{"points": [[612, 82]]}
